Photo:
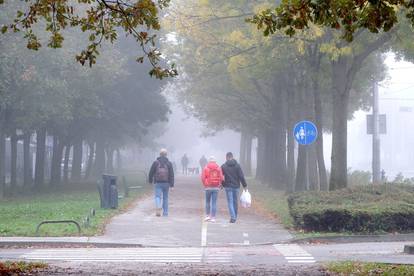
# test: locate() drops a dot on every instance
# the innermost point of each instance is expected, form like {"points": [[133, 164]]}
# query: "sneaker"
{"points": [[213, 220], [207, 218], [232, 220], [158, 212]]}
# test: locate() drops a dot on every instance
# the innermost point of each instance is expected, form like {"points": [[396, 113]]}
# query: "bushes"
{"points": [[358, 209], [358, 177]]}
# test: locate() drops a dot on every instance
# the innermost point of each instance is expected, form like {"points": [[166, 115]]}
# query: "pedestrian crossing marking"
{"points": [[293, 253], [147, 255]]}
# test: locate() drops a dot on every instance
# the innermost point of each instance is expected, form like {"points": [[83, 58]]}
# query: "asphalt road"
{"points": [[185, 224]]}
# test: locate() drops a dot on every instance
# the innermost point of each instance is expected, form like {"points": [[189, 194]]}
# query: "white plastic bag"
{"points": [[245, 199]]}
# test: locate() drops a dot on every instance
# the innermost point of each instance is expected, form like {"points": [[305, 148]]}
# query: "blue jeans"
{"points": [[161, 197], [232, 195], [211, 202]]}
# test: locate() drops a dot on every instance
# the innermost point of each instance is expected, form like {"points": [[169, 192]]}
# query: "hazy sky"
{"points": [[397, 91], [184, 135]]}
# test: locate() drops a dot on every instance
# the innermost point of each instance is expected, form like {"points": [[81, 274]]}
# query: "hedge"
{"points": [[364, 209]]}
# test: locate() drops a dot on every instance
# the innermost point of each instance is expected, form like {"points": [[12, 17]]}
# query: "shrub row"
{"points": [[359, 209]]}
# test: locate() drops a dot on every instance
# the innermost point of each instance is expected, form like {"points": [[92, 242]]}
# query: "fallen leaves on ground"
{"points": [[20, 268]]}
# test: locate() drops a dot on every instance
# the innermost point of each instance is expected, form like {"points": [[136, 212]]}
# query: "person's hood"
{"points": [[231, 162], [162, 159], [212, 165]]}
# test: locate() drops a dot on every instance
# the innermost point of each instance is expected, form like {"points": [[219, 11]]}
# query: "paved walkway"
{"points": [[185, 226]]}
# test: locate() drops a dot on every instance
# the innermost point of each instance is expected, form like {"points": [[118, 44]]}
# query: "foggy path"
{"points": [[185, 226]]}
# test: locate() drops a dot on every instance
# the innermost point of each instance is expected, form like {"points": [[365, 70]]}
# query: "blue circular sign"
{"points": [[305, 132]]}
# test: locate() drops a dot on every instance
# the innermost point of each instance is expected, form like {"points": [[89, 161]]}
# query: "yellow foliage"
{"points": [[235, 63], [262, 7], [300, 46], [334, 51], [317, 30], [237, 37], [346, 51], [204, 2]]}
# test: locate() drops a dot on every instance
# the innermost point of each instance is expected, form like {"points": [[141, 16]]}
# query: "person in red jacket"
{"points": [[212, 177]]}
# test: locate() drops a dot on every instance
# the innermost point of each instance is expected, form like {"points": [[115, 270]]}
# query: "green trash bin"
{"points": [[109, 192]]}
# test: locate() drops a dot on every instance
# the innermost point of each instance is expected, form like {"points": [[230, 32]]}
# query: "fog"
{"points": [[186, 135], [396, 100]]}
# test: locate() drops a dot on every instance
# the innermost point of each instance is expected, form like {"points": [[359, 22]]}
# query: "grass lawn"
{"points": [[19, 216], [368, 269], [272, 201]]}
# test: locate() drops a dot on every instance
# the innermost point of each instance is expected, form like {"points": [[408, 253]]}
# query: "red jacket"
{"points": [[212, 175]]}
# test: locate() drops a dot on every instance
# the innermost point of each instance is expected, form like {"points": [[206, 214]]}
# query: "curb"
{"points": [[355, 239], [62, 244]]}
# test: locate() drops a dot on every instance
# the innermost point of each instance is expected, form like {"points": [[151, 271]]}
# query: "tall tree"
{"points": [[101, 20]]}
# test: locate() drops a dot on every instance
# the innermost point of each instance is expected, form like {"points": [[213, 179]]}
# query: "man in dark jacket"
{"points": [[233, 176], [162, 174]]}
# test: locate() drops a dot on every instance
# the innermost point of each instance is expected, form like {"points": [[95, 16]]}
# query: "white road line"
{"points": [[302, 261], [246, 241], [147, 255], [293, 253], [122, 261], [299, 258], [203, 234]]}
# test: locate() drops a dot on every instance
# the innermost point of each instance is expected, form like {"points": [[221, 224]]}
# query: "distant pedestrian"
{"points": [[203, 162], [162, 174], [233, 176], [212, 177], [184, 163]]}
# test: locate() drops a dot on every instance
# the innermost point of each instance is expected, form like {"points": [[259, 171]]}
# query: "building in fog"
{"points": [[397, 145]]}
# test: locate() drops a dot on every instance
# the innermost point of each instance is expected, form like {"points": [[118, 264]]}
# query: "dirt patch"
{"points": [[185, 270]]}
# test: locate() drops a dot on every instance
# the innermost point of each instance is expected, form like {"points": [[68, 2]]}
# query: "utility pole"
{"points": [[376, 158]]}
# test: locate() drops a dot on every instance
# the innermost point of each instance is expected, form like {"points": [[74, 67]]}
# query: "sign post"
{"points": [[305, 133]]}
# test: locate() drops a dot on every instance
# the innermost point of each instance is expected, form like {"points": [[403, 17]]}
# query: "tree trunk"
{"points": [[40, 157], [323, 178], [313, 168], [243, 150], [2, 163], [290, 139], [269, 158], [100, 159], [13, 158], [118, 160], [318, 111], [279, 169], [90, 165], [66, 164], [339, 173], [110, 160], [55, 177], [301, 173], [290, 160], [27, 160], [77, 160], [248, 165], [279, 165], [339, 165], [260, 157]]}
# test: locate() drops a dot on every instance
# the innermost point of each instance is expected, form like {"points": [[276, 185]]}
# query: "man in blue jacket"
{"points": [[162, 174], [233, 176]]}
